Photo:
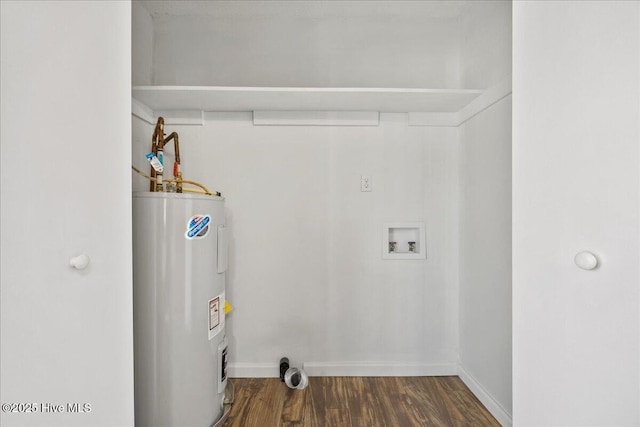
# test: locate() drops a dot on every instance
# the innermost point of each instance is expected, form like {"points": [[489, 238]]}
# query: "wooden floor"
{"points": [[357, 402]]}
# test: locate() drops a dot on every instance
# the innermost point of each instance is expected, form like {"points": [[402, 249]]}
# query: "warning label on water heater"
{"points": [[197, 227], [216, 315]]}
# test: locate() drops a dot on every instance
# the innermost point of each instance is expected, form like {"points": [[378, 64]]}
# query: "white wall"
{"points": [[575, 187], [485, 253], [485, 43], [306, 274], [282, 43], [65, 100], [141, 45], [485, 212], [142, 130]]}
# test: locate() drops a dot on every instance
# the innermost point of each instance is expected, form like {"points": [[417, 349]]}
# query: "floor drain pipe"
{"points": [[293, 377]]}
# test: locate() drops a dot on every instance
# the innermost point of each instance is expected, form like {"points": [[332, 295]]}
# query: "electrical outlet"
{"points": [[365, 183]]}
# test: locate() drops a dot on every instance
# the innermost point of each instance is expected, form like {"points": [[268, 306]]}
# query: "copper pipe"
{"points": [[177, 174], [176, 146], [158, 141], [204, 190], [156, 144]]}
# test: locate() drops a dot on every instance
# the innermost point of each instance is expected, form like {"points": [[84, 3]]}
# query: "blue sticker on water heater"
{"points": [[197, 227]]}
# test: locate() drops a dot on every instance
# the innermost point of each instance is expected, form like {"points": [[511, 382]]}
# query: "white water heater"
{"points": [[180, 349]]}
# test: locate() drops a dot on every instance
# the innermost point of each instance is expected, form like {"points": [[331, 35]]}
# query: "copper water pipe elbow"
{"points": [[158, 132], [176, 144], [176, 147], [156, 140]]}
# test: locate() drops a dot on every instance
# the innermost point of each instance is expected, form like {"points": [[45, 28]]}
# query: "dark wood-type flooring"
{"points": [[357, 402]]}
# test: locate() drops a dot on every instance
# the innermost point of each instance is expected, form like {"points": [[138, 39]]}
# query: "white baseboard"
{"points": [[492, 405], [377, 369], [253, 370], [346, 369]]}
